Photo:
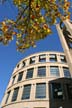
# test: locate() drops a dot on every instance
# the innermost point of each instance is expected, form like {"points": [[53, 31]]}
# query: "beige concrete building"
{"points": [[30, 87]]}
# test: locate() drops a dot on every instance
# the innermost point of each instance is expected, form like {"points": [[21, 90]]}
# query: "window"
{"points": [[13, 79], [56, 91], [32, 60], [17, 65], [29, 73], [8, 94], [42, 58], [63, 59], [26, 92], [23, 63], [54, 70], [20, 76], [15, 94], [69, 90], [41, 71], [66, 72], [53, 58], [41, 90]]}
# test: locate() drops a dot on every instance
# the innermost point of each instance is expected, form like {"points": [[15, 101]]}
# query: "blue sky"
{"points": [[9, 57]]}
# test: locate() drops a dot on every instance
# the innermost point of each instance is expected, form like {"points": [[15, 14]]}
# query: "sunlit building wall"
{"points": [[33, 82]]}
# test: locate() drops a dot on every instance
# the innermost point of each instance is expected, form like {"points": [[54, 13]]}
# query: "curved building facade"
{"points": [[41, 80]]}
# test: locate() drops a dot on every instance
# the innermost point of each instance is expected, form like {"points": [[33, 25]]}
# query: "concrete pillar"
{"points": [[65, 48], [68, 25], [35, 72], [37, 59], [20, 93]]}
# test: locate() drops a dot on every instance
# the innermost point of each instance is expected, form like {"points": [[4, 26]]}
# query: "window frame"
{"points": [[40, 94], [15, 94], [26, 92]]}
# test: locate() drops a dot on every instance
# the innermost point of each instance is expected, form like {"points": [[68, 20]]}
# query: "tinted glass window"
{"points": [[41, 71], [66, 72], [53, 58], [54, 70], [13, 79], [41, 90], [29, 73], [8, 94], [26, 92], [32, 60], [20, 76], [42, 58], [63, 59], [15, 94]]}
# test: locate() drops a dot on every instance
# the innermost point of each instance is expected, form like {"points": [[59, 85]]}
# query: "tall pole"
{"points": [[66, 48]]}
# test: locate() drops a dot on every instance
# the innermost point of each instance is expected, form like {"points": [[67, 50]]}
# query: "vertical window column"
{"points": [[35, 72], [47, 71], [32, 92], [20, 93], [24, 75], [47, 57], [37, 59], [58, 58], [61, 71]]}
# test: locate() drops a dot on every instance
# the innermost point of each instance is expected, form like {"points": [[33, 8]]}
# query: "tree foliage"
{"points": [[33, 22]]}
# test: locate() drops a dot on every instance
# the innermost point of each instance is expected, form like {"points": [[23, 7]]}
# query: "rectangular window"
{"points": [[18, 65], [69, 91], [66, 72], [41, 90], [20, 76], [26, 92], [23, 64], [54, 70], [8, 94], [32, 60], [41, 71], [42, 58], [29, 73], [56, 91], [15, 94], [53, 58], [13, 79], [62, 58]]}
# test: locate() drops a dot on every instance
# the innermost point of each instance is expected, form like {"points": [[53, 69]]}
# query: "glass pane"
{"points": [[40, 90], [29, 73], [26, 92], [41, 71], [13, 79], [66, 72], [8, 94], [63, 59], [53, 58], [54, 70], [14, 97], [32, 60], [42, 58], [20, 76]]}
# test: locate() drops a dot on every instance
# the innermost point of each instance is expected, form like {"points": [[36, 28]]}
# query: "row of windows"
{"points": [[57, 91], [42, 58], [54, 71]]}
